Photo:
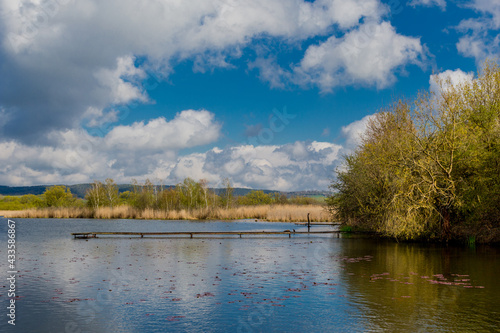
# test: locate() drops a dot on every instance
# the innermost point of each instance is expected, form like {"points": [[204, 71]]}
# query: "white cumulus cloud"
{"points": [[368, 55], [60, 58], [353, 132], [428, 3], [481, 35], [121, 91], [294, 166], [449, 78], [70, 64], [297, 166], [189, 128], [78, 157], [490, 8], [138, 150]]}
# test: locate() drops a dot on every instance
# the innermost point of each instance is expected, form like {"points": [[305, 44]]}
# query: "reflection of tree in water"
{"points": [[415, 287]]}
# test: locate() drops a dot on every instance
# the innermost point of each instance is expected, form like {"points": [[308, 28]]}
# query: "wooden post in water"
{"points": [[308, 223]]}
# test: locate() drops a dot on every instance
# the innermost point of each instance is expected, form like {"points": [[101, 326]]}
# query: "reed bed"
{"points": [[272, 213], [288, 213], [58, 213]]}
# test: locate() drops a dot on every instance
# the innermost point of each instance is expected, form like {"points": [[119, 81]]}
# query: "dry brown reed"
{"points": [[59, 213], [289, 213], [274, 213]]}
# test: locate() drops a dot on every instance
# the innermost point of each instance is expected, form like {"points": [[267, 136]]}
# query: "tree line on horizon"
{"points": [[187, 195], [428, 168]]}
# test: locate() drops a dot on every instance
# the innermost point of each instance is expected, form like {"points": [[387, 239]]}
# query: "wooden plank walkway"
{"points": [[86, 235], [318, 223]]}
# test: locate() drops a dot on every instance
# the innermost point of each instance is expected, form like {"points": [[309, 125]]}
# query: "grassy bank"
{"points": [[275, 213]]}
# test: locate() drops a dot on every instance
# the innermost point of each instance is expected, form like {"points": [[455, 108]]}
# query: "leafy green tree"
{"points": [[144, 195], [204, 192], [32, 201], [111, 192], [125, 198], [11, 203], [193, 195], [254, 198], [279, 198], [58, 196], [303, 200], [168, 200], [96, 195], [427, 168], [227, 196]]}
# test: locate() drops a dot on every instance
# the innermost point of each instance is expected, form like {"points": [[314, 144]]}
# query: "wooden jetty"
{"points": [[318, 223], [191, 234]]}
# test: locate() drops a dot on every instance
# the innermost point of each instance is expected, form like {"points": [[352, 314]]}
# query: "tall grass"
{"points": [[293, 213], [60, 213], [275, 213]]}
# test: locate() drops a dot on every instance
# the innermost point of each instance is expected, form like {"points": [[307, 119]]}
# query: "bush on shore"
{"points": [[428, 168]]}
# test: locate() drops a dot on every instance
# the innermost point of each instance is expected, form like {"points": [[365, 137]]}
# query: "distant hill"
{"points": [[80, 189], [308, 194], [22, 190]]}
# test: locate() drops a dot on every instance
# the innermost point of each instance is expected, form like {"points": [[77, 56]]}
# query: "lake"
{"points": [[306, 283]]}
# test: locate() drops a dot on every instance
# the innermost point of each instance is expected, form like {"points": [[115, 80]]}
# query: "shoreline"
{"points": [[268, 213], [318, 215]]}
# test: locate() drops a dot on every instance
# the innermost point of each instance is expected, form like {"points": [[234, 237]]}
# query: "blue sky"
{"points": [[269, 94]]}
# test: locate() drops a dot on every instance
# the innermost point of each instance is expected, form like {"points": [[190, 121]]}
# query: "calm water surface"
{"points": [[254, 284]]}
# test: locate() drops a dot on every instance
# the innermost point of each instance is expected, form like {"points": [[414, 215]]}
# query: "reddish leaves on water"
{"points": [[437, 279], [205, 294]]}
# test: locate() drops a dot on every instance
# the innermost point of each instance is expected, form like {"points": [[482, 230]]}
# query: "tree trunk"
{"points": [[446, 224]]}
